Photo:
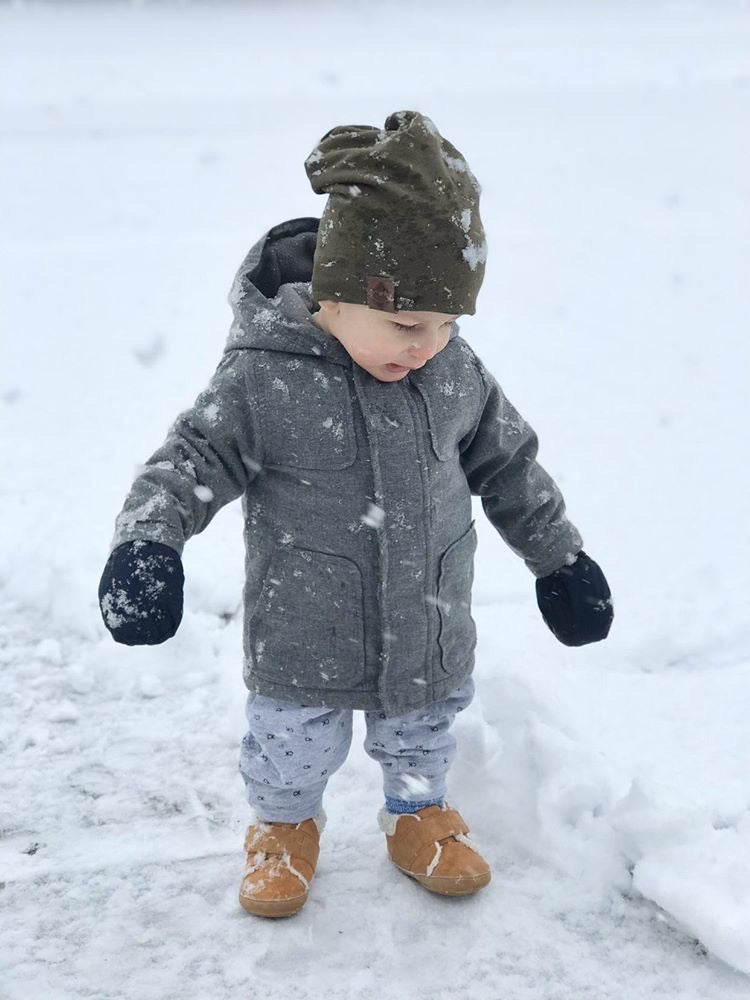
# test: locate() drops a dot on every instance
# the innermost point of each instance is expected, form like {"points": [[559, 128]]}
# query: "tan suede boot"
{"points": [[281, 860], [431, 846]]}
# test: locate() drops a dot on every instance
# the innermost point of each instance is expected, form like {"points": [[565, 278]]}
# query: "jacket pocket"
{"points": [[457, 636], [452, 408], [305, 414], [307, 627]]}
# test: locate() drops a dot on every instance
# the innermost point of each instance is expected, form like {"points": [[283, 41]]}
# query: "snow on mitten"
{"points": [[140, 593], [576, 602]]}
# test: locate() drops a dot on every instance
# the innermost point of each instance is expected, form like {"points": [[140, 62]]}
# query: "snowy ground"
{"points": [[145, 148]]}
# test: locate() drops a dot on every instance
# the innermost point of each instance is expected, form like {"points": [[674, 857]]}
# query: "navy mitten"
{"points": [[140, 593], [576, 602]]}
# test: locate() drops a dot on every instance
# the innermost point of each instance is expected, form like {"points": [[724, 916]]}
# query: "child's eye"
{"points": [[414, 326]]}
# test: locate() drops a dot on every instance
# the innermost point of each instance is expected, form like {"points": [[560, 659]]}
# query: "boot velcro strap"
{"points": [[413, 835], [296, 843]]}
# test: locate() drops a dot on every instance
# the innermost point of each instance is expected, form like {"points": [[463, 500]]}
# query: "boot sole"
{"points": [[446, 886], [273, 907]]}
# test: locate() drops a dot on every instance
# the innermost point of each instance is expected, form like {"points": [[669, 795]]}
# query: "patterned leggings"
{"points": [[290, 752]]}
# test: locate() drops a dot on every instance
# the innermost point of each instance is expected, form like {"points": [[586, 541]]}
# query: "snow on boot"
{"points": [[281, 860], [431, 846]]}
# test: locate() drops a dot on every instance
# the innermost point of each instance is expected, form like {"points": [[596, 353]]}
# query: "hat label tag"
{"points": [[381, 293]]}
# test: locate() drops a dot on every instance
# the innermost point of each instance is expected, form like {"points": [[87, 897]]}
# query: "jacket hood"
{"points": [[271, 298]]}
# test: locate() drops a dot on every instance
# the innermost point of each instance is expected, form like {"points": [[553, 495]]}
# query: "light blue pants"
{"points": [[290, 752]]}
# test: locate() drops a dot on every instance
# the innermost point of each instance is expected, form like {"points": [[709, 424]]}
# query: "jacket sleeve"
{"points": [[210, 456], [519, 497]]}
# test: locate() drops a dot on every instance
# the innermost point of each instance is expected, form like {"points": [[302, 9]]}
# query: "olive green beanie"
{"points": [[401, 229]]}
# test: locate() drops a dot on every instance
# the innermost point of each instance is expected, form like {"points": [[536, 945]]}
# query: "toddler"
{"points": [[356, 424]]}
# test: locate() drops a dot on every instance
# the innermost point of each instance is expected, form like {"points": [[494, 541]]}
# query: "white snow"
{"points": [[63, 711], [336, 426], [211, 412], [475, 254], [607, 786], [374, 516]]}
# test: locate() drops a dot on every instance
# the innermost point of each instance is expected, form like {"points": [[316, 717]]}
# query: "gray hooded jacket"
{"points": [[356, 494]]}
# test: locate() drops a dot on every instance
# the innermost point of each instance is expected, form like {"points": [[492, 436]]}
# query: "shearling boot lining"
{"points": [[387, 821]]}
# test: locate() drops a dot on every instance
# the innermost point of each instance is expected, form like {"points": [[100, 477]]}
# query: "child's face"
{"points": [[387, 345]]}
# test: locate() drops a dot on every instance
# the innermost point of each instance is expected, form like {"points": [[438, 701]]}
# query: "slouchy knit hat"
{"points": [[401, 229]]}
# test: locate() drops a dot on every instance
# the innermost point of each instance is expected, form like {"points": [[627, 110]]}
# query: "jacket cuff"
{"points": [[151, 532], [561, 552]]}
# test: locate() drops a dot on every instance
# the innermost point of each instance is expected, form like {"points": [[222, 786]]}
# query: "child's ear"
{"points": [[329, 307]]}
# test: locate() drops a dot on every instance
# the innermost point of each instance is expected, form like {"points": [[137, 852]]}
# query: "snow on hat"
{"points": [[401, 229]]}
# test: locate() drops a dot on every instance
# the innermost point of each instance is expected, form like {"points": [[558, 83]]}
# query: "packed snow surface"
{"points": [[145, 148]]}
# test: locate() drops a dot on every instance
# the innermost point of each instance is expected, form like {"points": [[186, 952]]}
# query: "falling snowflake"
{"points": [[374, 517]]}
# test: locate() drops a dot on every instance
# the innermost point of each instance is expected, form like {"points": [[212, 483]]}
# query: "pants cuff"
{"points": [[400, 806]]}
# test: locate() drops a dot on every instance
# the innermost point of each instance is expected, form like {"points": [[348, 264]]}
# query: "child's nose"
{"points": [[425, 348]]}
